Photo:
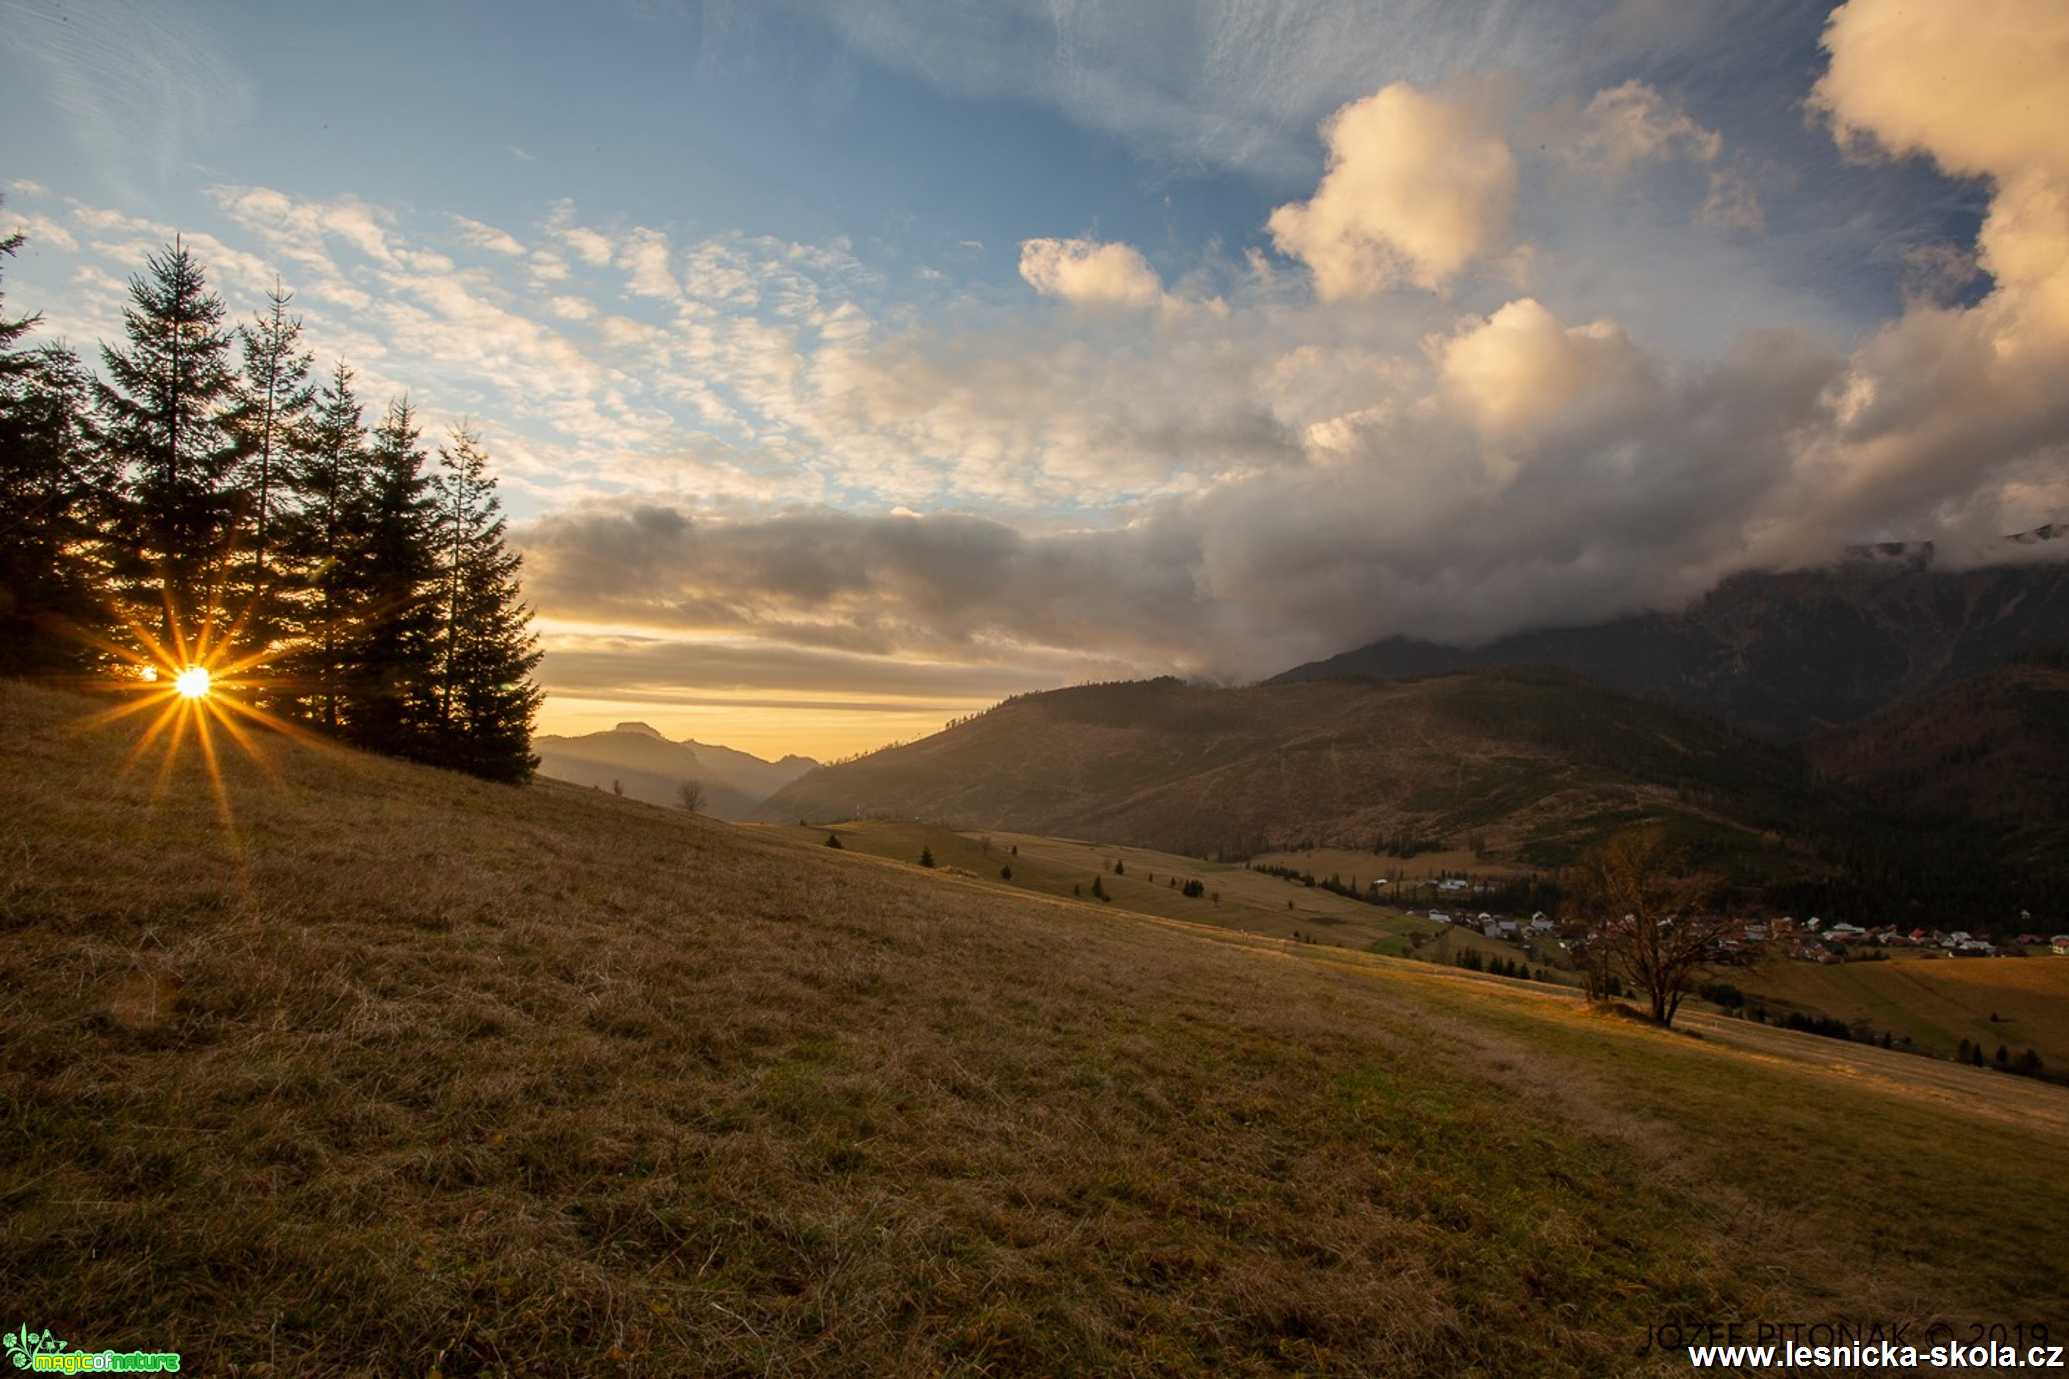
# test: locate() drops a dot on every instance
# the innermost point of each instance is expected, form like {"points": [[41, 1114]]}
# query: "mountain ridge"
{"points": [[636, 758], [1781, 654], [1534, 762]]}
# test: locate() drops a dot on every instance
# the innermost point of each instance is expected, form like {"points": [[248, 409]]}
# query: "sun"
{"points": [[192, 683]]}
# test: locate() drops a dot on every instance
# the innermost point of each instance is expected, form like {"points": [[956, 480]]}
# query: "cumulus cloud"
{"points": [[1521, 369], [1086, 272], [1416, 188], [1633, 123], [1976, 87], [1523, 469], [1958, 411]]}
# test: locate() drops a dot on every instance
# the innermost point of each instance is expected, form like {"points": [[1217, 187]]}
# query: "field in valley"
{"points": [[1236, 897], [1938, 1002], [362, 1068], [1365, 864]]}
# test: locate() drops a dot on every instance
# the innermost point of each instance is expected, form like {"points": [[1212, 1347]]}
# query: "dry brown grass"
{"points": [[417, 1074], [1938, 1001]]}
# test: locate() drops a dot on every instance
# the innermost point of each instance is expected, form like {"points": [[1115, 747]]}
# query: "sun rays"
{"points": [[200, 687]]}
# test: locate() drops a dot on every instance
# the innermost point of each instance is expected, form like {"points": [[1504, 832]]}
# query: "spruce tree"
{"points": [[487, 701], [53, 492], [11, 361], [394, 654], [162, 417], [323, 552], [273, 400]]}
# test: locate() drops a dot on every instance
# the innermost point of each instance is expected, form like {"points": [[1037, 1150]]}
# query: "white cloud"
{"points": [[1086, 272], [43, 232], [1416, 188], [1958, 412], [1521, 369], [545, 266], [643, 254], [479, 236], [590, 246], [1627, 125], [1978, 88]]}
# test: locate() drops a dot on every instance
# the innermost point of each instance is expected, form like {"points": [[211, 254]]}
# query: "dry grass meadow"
{"points": [[389, 1072], [1937, 1001], [1236, 897]]}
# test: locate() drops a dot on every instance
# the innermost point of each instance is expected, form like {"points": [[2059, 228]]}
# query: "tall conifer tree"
{"points": [[53, 492], [323, 549], [269, 417], [13, 362], [487, 702], [162, 410], [395, 655]]}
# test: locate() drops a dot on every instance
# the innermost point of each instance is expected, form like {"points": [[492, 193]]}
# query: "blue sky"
{"points": [[904, 353]]}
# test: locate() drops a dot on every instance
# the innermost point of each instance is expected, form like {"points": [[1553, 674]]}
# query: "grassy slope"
{"points": [[461, 1078], [1937, 1001], [1247, 901]]}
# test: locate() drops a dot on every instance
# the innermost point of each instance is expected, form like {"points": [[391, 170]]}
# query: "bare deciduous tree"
{"points": [[690, 795], [1634, 908]]}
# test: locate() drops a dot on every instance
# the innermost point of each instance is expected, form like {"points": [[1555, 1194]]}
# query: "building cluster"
{"points": [[1488, 926], [1812, 940], [1807, 940]]}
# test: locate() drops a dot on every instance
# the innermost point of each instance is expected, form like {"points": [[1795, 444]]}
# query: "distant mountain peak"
{"points": [[1912, 554], [643, 729], [1788, 653]]}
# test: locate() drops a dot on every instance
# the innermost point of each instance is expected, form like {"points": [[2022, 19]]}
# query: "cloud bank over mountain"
{"points": [[1525, 323]]}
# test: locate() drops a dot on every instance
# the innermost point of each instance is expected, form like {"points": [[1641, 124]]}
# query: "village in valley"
{"points": [[1804, 940]]}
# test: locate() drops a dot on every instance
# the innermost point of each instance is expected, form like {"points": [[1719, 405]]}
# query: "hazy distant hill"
{"points": [[1536, 761], [1788, 654], [650, 767]]}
